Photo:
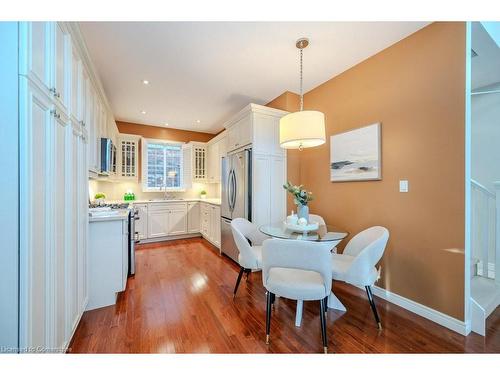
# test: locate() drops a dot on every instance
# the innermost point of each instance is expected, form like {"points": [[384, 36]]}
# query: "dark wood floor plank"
{"points": [[181, 301]]}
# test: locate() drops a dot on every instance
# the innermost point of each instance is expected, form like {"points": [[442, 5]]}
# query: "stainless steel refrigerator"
{"points": [[236, 196]]}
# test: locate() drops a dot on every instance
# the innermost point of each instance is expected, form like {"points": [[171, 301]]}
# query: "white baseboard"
{"points": [[424, 311], [80, 314], [170, 238]]}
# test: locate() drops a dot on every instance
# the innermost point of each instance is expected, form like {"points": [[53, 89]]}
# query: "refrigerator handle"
{"points": [[229, 190], [234, 190]]}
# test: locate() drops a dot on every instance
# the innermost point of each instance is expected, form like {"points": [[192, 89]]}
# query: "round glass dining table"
{"points": [[325, 234]]}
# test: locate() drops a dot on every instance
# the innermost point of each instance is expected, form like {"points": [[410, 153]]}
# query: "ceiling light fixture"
{"points": [[166, 124], [146, 82], [198, 121], [302, 129], [143, 112]]}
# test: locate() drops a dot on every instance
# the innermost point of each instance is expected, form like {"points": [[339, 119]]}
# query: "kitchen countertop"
{"points": [[214, 201], [109, 215]]}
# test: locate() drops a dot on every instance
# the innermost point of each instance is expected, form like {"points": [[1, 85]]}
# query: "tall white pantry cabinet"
{"points": [[55, 123]]}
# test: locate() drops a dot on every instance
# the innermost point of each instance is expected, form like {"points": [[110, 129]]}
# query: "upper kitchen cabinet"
{"points": [[195, 155], [258, 126], [62, 72], [78, 89], [35, 60], [128, 157], [216, 150], [45, 58], [239, 132]]}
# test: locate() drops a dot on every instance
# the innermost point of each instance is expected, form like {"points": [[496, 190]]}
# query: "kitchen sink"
{"points": [[167, 200]]}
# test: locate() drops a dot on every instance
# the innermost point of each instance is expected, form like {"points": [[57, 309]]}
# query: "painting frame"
{"points": [[356, 154]]}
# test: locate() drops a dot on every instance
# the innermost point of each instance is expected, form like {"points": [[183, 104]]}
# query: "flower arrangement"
{"points": [[300, 195], [203, 194]]}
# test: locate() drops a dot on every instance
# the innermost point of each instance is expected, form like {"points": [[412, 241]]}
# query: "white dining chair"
{"points": [[313, 218], [248, 240], [356, 265], [298, 270]]}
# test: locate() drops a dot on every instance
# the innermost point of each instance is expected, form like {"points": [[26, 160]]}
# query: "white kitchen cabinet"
{"points": [[35, 53], [141, 225], [213, 161], [167, 219], [108, 261], [239, 134], [193, 217], [83, 222], [128, 156], [177, 220], [157, 223], [77, 106], [36, 236], [257, 127], [216, 150], [204, 219], [53, 185], [214, 227], [62, 74], [210, 222]]}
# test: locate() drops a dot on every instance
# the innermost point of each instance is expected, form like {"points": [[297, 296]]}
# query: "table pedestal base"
{"points": [[333, 303]]}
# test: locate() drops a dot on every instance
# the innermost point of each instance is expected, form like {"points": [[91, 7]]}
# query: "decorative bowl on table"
{"points": [[302, 228]]}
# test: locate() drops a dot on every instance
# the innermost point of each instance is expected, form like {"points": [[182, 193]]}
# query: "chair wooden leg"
{"points": [[270, 297], [373, 306], [323, 324], [238, 281]]}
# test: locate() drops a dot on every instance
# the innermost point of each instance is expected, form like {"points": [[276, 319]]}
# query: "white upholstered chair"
{"points": [[298, 270], [316, 219], [249, 240], [356, 265]]}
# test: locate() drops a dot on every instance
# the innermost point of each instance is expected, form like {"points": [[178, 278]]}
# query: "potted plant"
{"points": [[301, 198], [100, 197], [203, 194]]}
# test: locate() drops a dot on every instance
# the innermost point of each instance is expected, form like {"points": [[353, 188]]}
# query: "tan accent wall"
{"points": [[416, 89], [156, 132]]}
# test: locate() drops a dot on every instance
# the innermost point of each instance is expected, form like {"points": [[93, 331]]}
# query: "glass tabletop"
{"points": [[323, 233]]}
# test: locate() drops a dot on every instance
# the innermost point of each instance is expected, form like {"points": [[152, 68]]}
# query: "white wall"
{"points": [[9, 164], [116, 190], [486, 138]]}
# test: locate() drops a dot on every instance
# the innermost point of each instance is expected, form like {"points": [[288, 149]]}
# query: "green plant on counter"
{"points": [[100, 196], [203, 192]]}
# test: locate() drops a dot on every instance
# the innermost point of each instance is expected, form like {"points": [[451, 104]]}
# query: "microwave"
{"points": [[108, 156]]}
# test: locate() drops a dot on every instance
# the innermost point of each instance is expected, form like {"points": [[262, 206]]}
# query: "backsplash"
{"points": [[116, 190]]}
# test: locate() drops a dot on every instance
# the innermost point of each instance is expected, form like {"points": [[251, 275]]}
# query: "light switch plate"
{"points": [[403, 186]]}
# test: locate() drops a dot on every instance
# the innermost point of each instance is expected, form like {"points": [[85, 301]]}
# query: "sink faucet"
{"points": [[166, 194]]}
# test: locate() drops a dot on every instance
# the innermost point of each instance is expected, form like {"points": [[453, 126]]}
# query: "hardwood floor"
{"points": [[181, 301]]}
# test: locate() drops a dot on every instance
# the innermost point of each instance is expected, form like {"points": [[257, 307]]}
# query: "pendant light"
{"points": [[304, 128]]}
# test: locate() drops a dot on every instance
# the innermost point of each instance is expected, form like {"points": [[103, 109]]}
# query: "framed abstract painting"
{"points": [[355, 155]]}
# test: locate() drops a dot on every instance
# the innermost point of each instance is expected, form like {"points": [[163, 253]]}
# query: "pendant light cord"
{"points": [[301, 95]]}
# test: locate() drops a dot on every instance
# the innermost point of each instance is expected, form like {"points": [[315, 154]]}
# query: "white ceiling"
{"points": [[207, 71]]}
